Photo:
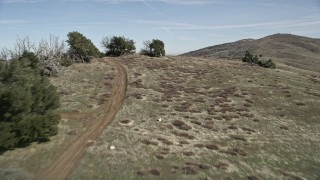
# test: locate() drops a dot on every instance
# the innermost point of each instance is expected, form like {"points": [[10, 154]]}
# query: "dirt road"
{"points": [[68, 159]]}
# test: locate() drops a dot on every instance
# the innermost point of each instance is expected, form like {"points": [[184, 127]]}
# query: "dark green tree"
{"points": [[154, 48], [255, 59], [2, 68], [81, 48], [27, 104], [118, 45], [249, 58], [267, 64]]}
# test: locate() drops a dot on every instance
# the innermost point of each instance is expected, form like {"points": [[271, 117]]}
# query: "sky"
{"points": [[183, 25]]}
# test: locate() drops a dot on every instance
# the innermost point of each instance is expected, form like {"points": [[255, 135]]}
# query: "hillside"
{"points": [[219, 119], [297, 51]]}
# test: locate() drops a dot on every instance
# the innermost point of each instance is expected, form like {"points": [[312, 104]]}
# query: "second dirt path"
{"points": [[61, 167]]}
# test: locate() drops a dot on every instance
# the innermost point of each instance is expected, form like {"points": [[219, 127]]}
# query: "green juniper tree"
{"points": [[154, 48], [118, 45], [249, 58], [27, 104], [81, 48]]}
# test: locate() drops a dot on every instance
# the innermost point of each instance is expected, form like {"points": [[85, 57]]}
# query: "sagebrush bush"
{"points": [[249, 58]]}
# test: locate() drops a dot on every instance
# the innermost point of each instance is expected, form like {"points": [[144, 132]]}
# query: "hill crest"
{"points": [[298, 51]]}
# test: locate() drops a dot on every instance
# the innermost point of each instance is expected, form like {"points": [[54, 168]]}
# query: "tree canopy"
{"points": [[81, 48], [27, 103], [154, 48], [118, 45]]}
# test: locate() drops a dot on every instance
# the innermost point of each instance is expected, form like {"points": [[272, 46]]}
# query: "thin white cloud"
{"points": [[179, 2], [20, 1], [186, 2], [155, 10], [11, 21], [168, 24], [186, 38], [265, 25], [167, 30]]}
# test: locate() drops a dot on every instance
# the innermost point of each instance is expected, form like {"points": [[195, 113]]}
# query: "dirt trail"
{"points": [[68, 159]]}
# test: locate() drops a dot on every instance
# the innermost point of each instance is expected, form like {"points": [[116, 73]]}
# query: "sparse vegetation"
{"points": [[190, 118]]}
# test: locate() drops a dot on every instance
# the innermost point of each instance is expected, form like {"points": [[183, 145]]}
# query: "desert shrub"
{"points": [[227, 117], [165, 105], [291, 176], [178, 123], [235, 152], [204, 166], [160, 157], [267, 64], [248, 129], [212, 146], [208, 126], [81, 48], [196, 122], [256, 120], [188, 153], [154, 48], [66, 62], [238, 137], [181, 125], [189, 170], [125, 121], [249, 58], [184, 134], [27, 104], [198, 145], [169, 126], [249, 101], [232, 126], [300, 104], [155, 172], [137, 95], [284, 127], [184, 142], [252, 177], [142, 173], [240, 152], [118, 45], [222, 166], [165, 141], [165, 151], [149, 142]]}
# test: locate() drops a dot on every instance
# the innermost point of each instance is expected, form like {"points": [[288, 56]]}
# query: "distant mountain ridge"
{"points": [[298, 51]]}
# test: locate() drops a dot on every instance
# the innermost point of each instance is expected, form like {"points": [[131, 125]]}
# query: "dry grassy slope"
{"points": [[84, 89], [297, 51], [220, 119]]}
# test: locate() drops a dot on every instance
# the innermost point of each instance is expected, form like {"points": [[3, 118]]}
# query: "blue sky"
{"points": [[183, 25]]}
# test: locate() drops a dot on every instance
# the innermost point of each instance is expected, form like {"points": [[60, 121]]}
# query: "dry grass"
{"points": [[220, 116], [215, 113], [83, 89]]}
